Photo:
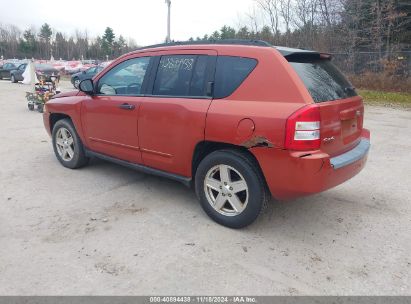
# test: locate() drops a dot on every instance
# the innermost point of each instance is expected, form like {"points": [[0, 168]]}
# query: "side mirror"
{"points": [[87, 86]]}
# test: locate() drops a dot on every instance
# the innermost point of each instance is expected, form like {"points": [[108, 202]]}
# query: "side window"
{"points": [[230, 73], [125, 78], [181, 75], [199, 77], [22, 67]]}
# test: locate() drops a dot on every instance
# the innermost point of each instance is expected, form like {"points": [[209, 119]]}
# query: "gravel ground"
{"points": [[107, 230]]}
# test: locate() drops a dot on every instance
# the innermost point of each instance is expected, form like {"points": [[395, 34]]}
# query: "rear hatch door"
{"points": [[341, 109]]}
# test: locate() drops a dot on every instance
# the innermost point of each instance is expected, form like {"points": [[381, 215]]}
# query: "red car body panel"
{"points": [[109, 129], [162, 132]]}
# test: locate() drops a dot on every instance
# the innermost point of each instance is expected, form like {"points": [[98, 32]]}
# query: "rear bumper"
{"points": [[294, 174], [47, 78], [351, 156]]}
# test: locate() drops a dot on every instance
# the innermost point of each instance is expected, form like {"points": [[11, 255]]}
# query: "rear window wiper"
{"points": [[347, 89]]}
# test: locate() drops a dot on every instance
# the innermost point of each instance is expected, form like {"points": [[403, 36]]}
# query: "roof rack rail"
{"points": [[211, 41]]}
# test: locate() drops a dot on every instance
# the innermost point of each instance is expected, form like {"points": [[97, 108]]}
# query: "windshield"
{"points": [[323, 80]]}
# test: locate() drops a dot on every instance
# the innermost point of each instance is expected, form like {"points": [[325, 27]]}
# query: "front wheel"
{"points": [[76, 83], [40, 108], [231, 188], [67, 145], [13, 79]]}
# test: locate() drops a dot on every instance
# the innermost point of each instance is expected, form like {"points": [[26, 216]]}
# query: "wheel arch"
{"points": [[55, 117], [204, 148]]}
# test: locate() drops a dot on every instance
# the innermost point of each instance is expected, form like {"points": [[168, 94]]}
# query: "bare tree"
{"points": [[286, 13], [253, 20], [271, 9], [305, 20]]}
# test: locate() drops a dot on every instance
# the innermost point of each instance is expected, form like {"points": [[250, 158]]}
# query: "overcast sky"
{"points": [[143, 20]]}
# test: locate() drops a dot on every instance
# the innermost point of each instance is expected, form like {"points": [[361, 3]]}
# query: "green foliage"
{"points": [[227, 32], [27, 45], [215, 36], [45, 32], [386, 98], [109, 36], [108, 41]]}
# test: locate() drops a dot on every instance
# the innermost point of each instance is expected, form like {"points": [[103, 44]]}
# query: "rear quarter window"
{"points": [[323, 80], [230, 73]]}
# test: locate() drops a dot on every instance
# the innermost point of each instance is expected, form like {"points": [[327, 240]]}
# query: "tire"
{"points": [[63, 131], [40, 108], [76, 82], [241, 168], [13, 79], [30, 106]]}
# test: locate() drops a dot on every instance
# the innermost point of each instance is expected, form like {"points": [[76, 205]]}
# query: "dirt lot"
{"points": [[108, 230]]}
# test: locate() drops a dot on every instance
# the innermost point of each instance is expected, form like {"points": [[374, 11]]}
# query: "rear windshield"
{"points": [[323, 80]]}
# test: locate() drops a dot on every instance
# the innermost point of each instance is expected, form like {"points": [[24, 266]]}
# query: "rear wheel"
{"points": [[13, 79], [67, 145], [231, 188]]}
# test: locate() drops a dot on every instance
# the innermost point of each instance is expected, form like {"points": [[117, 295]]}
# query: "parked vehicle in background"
{"points": [[87, 74], [239, 120], [6, 68], [17, 74], [44, 72]]}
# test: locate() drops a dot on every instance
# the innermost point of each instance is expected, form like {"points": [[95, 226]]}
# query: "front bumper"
{"points": [[291, 175], [46, 121]]}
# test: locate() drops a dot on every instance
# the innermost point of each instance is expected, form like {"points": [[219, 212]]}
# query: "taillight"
{"points": [[303, 129]]}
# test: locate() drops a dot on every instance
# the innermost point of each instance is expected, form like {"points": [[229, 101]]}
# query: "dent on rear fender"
{"points": [[257, 141]]}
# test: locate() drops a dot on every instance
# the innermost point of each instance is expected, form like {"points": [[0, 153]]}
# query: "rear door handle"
{"points": [[126, 106]]}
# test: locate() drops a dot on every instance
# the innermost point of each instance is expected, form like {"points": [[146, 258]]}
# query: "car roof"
{"points": [[285, 51]]}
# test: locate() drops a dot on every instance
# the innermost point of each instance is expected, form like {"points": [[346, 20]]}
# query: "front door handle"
{"points": [[126, 106]]}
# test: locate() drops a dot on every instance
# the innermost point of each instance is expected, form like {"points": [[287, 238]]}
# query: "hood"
{"points": [[76, 74], [66, 94]]}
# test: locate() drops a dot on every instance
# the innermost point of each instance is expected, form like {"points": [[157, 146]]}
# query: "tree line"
{"points": [[347, 26], [44, 43], [336, 26]]}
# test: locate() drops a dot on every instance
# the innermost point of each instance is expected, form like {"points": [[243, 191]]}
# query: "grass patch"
{"points": [[390, 99]]}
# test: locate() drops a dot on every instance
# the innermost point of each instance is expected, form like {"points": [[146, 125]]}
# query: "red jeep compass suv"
{"points": [[240, 120]]}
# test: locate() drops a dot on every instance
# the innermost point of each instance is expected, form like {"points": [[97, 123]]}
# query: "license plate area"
{"points": [[350, 130]]}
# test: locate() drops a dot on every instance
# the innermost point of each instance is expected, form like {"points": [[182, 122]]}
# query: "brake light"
{"points": [[303, 129]]}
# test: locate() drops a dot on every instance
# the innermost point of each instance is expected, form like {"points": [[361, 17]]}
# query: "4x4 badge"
{"points": [[328, 139]]}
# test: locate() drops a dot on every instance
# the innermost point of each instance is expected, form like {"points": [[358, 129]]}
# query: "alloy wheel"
{"points": [[65, 144], [226, 190]]}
